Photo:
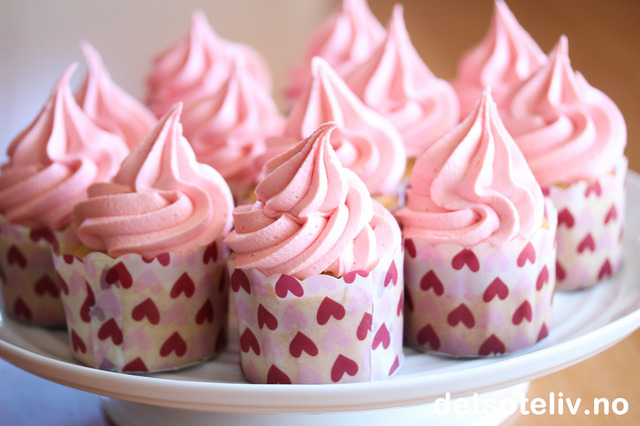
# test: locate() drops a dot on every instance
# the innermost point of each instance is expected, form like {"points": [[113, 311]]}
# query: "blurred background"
{"points": [[39, 39]]}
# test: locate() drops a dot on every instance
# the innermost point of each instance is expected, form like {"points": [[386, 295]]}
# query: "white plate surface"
{"points": [[584, 323]]}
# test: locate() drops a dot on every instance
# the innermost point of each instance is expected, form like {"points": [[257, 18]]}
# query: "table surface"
{"points": [[603, 39]]}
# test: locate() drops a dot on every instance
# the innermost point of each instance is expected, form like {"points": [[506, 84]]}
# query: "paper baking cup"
{"points": [[132, 314], [28, 277], [480, 301], [321, 329], [590, 222]]}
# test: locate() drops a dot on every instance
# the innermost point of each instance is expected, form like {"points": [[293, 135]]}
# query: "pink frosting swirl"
{"points": [[227, 130], [197, 66], [344, 40], [161, 200], [108, 105], [505, 57], [365, 141], [473, 185], [54, 160], [567, 129], [312, 216], [396, 82]]}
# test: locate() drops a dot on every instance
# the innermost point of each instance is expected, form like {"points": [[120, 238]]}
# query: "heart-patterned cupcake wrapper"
{"points": [[590, 224], [480, 301], [321, 329], [132, 314], [27, 275]]}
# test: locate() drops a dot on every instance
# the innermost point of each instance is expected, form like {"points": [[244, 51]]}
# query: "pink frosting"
{"points": [[198, 65], [346, 39], [473, 185], [365, 142], [161, 200], [108, 105], [54, 160], [312, 216], [505, 57], [227, 130], [567, 129], [396, 82]]}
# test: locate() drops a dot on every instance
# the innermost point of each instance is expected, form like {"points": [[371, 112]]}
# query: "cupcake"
{"points": [[344, 40], [573, 137], [395, 82], [228, 129], [479, 243], [504, 58], [143, 270], [365, 141], [50, 166], [197, 66], [315, 273], [108, 105]]}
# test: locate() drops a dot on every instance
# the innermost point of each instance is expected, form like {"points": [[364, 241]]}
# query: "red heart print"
{"points": [[566, 218], [329, 308], [496, 288], [365, 326], [546, 191], [89, 302], [400, 305], [248, 341], [266, 318], [612, 214], [593, 188], [394, 366], [492, 345], [146, 309], [239, 280], [302, 343], [428, 335], [605, 270], [77, 343], [210, 254], [14, 255], [543, 278], [163, 258], [461, 314], [586, 244], [119, 273], [46, 285], [184, 284], [523, 312], [410, 247], [137, 365], [544, 332], [431, 280], [205, 313], [350, 277], [382, 337], [42, 233], [286, 284], [560, 273], [175, 343], [20, 309], [111, 330], [68, 258], [62, 284], [392, 275], [341, 366], [276, 376], [465, 257], [527, 253]]}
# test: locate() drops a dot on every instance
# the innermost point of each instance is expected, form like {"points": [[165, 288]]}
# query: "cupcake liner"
{"points": [[321, 329], [132, 314], [480, 301], [27, 274], [590, 223]]}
